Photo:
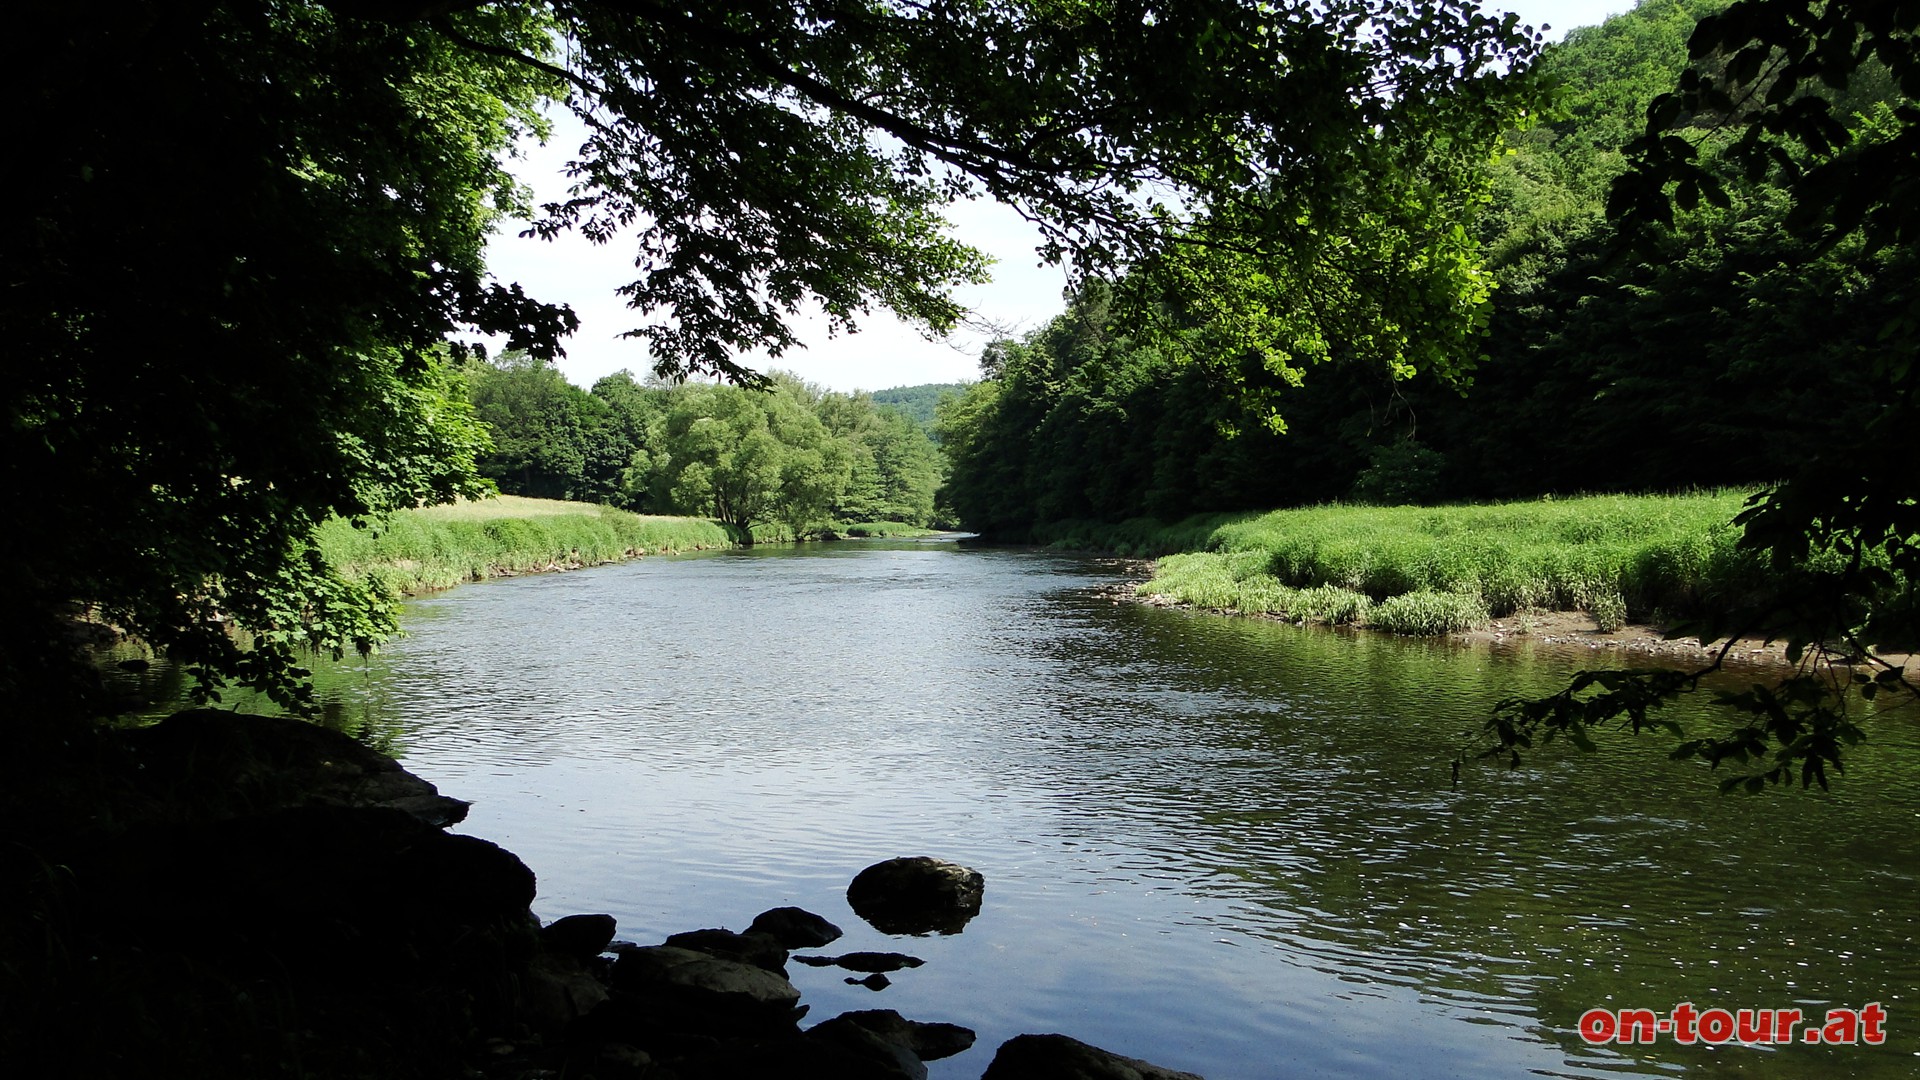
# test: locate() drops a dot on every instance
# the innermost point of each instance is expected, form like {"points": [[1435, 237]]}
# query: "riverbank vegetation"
{"points": [[1708, 287], [209, 384], [1417, 570], [1722, 352], [437, 547]]}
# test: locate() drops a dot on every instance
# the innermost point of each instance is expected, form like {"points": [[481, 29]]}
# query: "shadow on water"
{"points": [[1225, 845]]}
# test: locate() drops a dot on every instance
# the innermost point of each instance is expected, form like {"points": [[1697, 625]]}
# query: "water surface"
{"points": [[1225, 845]]}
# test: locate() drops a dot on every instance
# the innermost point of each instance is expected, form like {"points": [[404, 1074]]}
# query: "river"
{"points": [[1228, 846]]}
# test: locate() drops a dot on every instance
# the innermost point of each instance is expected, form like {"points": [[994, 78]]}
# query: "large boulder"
{"points": [[582, 937], [315, 887], [752, 947], [691, 991], [553, 991], [917, 895], [1057, 1057], [237, 763], [397, 940]]}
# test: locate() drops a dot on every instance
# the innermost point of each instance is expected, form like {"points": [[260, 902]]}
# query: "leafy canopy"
{"points": [[1818, 99], [244, 231], [1273, 175]]}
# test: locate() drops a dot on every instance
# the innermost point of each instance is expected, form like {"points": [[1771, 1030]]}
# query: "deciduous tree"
{"points": [[1842, 532], [242, 232]]}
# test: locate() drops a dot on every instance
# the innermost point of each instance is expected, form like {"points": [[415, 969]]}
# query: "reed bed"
{"points": [[1430, 570]]}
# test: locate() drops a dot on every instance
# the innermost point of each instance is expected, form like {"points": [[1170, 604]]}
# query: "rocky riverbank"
{"points": [[230, 895]]}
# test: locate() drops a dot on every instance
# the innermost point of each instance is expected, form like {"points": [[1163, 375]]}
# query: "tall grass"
{"points": [[437, 547], [1436, 569]]}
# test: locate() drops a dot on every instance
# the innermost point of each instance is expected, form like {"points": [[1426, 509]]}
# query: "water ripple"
{"points": [[1229, 846]]}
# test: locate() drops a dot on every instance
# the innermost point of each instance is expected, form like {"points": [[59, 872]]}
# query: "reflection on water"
{"points": [[1224, 845]]}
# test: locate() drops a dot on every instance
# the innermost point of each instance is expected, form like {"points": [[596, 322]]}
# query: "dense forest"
{"points": [[1714, 352], [793, 456]]}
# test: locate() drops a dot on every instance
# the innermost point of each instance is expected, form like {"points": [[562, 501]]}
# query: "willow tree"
{"points": [[244, 231]]}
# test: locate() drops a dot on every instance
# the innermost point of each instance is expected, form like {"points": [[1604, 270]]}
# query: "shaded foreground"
{"points": [[240, 895]]}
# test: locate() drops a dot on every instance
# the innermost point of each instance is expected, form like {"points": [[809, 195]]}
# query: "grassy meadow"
{"points": [[1434, 570], [437, 547]]}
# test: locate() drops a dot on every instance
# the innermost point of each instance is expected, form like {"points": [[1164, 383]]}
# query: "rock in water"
{"points": [[917, 895], [752, 947], [699, 992], [928, 1041], [861, 961], [1057, 1057], [795, 928]]}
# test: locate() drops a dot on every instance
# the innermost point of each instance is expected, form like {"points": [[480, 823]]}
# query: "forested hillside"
{"points": [[1717, 352], [918, 402]]}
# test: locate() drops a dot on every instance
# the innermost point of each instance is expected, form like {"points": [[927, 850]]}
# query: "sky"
{"points": [[885, 352]]}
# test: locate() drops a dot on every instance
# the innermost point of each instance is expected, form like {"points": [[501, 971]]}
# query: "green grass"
{"points": [[1430, 570], [437, 547]]}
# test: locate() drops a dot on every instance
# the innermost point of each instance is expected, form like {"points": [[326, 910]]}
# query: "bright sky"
{"points": [[886, 352]]}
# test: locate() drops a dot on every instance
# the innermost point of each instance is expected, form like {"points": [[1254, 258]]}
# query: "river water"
{"points": [[1224, 845]]}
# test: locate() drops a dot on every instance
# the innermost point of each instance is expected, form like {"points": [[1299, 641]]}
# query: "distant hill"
{"points": [[917, 402]]}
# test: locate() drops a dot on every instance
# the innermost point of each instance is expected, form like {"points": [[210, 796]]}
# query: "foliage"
{"points": [[1425, 612], [621, 444], [1334, 139], [234, 296], [1405, 568], [551, 440], [895, 468], [1841, 530], [745, 457], [1400, 473], [1714, 359], [239, 240]]}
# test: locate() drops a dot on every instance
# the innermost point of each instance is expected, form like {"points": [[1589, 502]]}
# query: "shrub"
{"points": [[1609, 611], [1427, 613]]}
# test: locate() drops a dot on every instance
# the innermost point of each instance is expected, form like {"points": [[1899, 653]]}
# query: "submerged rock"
{"points": [[1057, 1057], [863, 961], [795, 928], [875, 982], [917, 895]]}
